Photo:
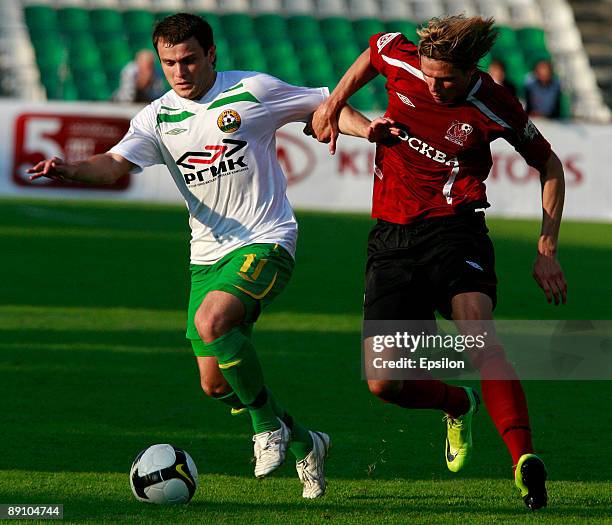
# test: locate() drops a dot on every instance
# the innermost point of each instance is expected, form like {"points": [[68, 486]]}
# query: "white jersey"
{"points": [[221, 153]]}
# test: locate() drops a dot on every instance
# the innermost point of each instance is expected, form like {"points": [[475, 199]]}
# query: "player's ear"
{"points": [[212, 55]]}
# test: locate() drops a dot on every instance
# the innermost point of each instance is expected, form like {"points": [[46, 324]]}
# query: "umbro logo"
{"points": [[405, 99], [475, 265], [176, 131]]}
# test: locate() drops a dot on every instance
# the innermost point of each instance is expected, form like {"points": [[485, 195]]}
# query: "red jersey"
{"points": [[444, 155]]}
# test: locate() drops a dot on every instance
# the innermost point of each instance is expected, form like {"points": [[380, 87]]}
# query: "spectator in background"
{"points": [[140, 80], [497, 70], [543, 91]]}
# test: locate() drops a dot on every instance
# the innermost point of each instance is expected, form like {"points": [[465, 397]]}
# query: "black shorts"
{"points": [[415, 269]]}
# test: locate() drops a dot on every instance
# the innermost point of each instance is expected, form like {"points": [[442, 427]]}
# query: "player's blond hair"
{"points": [[456, 39]]}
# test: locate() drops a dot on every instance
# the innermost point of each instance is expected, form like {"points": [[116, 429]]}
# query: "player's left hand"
{"points": [[325, 126], [382, 130], [308, 129], [548, 273]]}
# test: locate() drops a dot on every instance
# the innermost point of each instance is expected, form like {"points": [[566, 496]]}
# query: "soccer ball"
{"points": [[163, 474]]}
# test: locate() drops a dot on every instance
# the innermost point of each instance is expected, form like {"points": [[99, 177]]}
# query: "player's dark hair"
{"points": [[456, 39], [177, 28]]}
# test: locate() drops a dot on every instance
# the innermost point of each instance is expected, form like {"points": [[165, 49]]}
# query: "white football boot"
{"points": [[270, 449], [311, 470]]}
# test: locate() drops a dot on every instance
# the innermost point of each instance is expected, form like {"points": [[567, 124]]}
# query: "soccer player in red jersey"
{"points": [[429, 249]]}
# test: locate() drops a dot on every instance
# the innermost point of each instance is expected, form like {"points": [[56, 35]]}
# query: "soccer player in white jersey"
{"points": [[215, 131]]}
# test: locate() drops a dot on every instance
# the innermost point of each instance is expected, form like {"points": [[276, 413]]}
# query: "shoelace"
{"points": [[456, 423], [306, 476], [271, 441]]}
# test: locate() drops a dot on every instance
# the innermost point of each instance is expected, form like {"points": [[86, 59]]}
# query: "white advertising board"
{"points": [[317, 181]]}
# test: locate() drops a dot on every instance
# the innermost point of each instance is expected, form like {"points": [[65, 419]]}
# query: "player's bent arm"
{"points": [[324, 122], [105, 168], [553, 197], [352, 122], [357, 75]]}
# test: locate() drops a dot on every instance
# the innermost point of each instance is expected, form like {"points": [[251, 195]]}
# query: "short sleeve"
{"points": [[140, 145], [285, 102], [523, 134], [390, 45]]}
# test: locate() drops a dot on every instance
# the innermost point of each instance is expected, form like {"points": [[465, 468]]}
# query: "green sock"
{"points": [[301, 441], [233, 401], [240, 366]]}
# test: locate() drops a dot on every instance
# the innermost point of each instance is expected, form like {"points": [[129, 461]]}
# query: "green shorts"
{"points": [[255, 274]]}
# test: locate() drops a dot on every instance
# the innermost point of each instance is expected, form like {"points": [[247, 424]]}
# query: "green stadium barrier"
{"points": [[41, 18], [139, 41], [343, 57], [366, 27], [336, 30], [319, 77], [485, 62], [81, 42], [73, 20], [270, 28], [532, 39], [50, 54], [566, 106], [364, 99], [138, 21], [160, 15], [304, 28], [104, 20], [236, 27], [58, 86], [321, 52], [91, 85], [406, 27], [313, 54], [287, 71], [506, 38], [282, 53]]}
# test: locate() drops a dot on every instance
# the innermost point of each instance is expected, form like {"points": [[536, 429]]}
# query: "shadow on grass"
{"points": [[109, 403]]}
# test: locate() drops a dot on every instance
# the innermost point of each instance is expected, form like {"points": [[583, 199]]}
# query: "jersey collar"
{"points": [[207, 97]]}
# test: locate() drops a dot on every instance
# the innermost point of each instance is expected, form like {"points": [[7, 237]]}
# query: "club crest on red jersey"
{"points": [[458, 132], [385, 39]]}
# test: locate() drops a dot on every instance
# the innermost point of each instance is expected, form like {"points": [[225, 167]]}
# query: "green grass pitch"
{"points": [[94, 367]]}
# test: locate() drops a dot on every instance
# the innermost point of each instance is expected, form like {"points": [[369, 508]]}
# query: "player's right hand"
{"points": [[53, 168]]}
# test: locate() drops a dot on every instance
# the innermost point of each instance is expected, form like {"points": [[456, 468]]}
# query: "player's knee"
{"points": [[210, 326], [385, 390], [492, 361], [214, 388]]}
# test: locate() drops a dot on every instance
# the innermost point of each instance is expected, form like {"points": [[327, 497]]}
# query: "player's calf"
{"points": [[385, 390]]}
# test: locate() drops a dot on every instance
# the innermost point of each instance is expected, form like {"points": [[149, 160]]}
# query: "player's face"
{"points": [[445, 82], [188, 68]]}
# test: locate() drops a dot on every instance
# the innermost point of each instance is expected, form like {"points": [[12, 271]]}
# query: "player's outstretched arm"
{"points": [[325, 118], [105, 168], [546, 270], [352, 122]]}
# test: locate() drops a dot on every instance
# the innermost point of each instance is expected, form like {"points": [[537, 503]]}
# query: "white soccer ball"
{"points": [[163, 474]]}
